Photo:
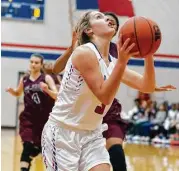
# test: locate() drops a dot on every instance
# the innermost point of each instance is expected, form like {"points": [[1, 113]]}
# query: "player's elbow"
{"points": [[17, 94], [106, 100], [55, 70], [149, 88], [106, 97]]}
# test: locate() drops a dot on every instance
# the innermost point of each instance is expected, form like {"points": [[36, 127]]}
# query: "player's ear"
{"points": [[88, 31]]}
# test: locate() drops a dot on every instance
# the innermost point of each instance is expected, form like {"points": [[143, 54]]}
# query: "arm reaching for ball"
{"points": [[104, 90], [61, 61], [139, 82], [144, 83]]}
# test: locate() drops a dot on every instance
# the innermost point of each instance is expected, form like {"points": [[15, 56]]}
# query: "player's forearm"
{"points": [[148, 80], [15, 93], [157, 89], [60, 63], [111, 85]]}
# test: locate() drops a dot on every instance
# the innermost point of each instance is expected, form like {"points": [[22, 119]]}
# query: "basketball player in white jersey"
{"points": [[72, 138]]}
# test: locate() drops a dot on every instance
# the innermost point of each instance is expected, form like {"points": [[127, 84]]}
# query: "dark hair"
{"points": [[115, 17], [38, 56]]}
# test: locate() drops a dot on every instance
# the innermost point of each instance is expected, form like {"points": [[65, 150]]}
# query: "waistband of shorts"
{"points": [[102, 127]]}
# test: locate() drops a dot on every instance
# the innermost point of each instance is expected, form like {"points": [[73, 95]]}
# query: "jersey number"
{"points": [[36, 98], [100, 109]]}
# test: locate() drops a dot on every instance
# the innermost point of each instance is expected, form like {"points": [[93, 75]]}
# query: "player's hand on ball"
{"points": [[165, 88], [43, 86], [124, 49]]}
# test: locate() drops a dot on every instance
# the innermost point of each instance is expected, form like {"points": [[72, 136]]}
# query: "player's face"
{"points": [[113, 21], [35, 64], [100, 24]]}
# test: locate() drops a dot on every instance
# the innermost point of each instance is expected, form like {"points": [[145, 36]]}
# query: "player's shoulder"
{"points": [[84, 53], [25, 77], [83, 50], [48, 77], [84, 57]]}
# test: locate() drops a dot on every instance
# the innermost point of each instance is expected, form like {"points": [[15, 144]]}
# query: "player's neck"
{"points": [[102, 46], [35, 75]]}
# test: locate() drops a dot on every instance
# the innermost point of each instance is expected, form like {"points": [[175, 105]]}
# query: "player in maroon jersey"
{"points": [[116, 125], [39, 95]]}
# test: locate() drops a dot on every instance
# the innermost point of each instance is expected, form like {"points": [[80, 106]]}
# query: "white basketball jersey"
{"points": [[76, 105]]}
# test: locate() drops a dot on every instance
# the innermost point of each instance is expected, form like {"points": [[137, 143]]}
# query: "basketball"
{"points": [[144, 32]]}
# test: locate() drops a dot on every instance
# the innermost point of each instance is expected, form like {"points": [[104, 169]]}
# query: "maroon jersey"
{"points": [[37, 106], [117, 127], [113, 112], [113, 50], [34, 97]]}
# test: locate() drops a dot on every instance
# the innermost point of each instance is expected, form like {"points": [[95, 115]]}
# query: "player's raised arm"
{"points": [[86, 62], [144, 83], [61, 61]]}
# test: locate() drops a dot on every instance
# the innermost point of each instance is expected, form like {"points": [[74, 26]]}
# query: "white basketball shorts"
{"points": [[67, 150]]}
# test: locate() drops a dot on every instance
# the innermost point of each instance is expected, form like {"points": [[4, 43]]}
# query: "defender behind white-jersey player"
{"points": [[72, 138]]}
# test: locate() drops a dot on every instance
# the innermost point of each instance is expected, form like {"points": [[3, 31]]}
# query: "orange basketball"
{"points": [[144, 32]]}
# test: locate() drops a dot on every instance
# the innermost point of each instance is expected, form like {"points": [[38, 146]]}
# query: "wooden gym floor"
{"points": [[138, 157]]}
